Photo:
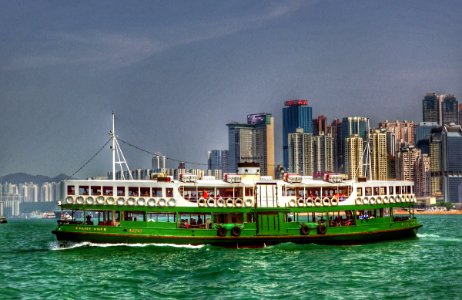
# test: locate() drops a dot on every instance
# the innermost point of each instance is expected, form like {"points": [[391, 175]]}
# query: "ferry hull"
{"points": [[242, 241]]}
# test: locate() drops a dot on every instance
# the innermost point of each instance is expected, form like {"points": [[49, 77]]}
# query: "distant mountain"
{"points": [[23, 177]]}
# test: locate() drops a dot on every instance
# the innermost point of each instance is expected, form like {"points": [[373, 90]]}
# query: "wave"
{"points": [[56, 246], [431, 236]]}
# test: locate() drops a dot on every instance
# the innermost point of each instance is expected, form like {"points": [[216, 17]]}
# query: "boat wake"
{"points": [[67, 246], [430, 236]]}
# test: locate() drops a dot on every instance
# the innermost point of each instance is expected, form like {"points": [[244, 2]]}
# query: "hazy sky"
{"points": [[175, 72]]}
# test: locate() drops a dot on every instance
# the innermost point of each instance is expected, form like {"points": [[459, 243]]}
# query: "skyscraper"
{"points": [[404, 131], [218, 160], [300, 153], [422, 135], [319, 125], [252, 142], [295, 114], [378, 140], [440, 108], [353, 126], [452, 163], [354, 156], [406, 161]]}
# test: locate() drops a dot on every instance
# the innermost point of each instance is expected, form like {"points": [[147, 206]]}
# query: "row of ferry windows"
{"points": [[86, 190], [382, 191]]}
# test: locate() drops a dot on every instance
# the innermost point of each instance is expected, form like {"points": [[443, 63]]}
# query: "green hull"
{"points": [[356, 234]]}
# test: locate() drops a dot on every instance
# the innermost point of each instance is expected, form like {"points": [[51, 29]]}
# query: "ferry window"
{"points": [[290, 192], [161, 217], [157, 192], [195, 220], [390, 190], [107, 190], [382, 191], [120, 191], [71, 190], [359, 192], [398, 190], [250, 218], [368, 191], [83, 190], [135, 216], [169, 192], [96, 190], [225, 193], [133, 191], [249, 191], [376, 191], [228, 218], [189, 193], [144, 191]]}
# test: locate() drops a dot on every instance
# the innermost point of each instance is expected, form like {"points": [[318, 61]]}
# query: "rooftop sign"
{"points": [[297, 102]]}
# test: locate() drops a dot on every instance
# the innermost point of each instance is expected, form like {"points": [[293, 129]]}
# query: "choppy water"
{"points": [[429, 267]]}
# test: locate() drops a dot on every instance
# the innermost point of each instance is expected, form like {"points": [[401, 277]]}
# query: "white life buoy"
{"points": [[359, 201], [372, 201], [309, 202], [221, 202], [317, 202], [110, 201], [248, 202], [131, 201], [379, 200], [239, 202], [141, 202], [229, 202], [171, 202], [202, 202], [90, 201], [326, 201], [365, 200], [391, 199], [334, 201], [151, 202], [79, 200], [398, 199], [300, 202], [385, 200], [292, 202], [100, 200], [69, 200], [162, 202], [120, 201]]}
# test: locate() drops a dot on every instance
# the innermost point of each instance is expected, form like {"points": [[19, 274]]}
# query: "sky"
{"points": [[176, 72]]}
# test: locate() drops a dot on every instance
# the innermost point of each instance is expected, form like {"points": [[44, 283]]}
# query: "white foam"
{"points": [[57, 246]]}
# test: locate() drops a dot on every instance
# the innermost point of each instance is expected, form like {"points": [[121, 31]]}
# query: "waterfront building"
{"points": [[436, 162], [422, 135], [378, 140], [354, 156], [406, 161], [158, 162], [323, 153], [449, 110], [452, 163], [252, 142], [295, 114], [422, 185]]}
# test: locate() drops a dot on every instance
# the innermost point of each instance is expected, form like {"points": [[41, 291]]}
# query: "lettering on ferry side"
{"points": [[90, 228], [135, 230]]}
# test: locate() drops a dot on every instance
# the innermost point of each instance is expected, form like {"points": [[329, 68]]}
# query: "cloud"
{"points": [[108, 50]]}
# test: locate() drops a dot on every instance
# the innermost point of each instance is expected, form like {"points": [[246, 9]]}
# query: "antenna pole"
{"points": [[113, 146]]}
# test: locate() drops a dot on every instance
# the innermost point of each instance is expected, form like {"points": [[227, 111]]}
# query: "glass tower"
{"points": [[295, 114]]}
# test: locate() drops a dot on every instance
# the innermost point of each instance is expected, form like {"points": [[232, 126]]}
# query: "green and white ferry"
{"points": [[242, 210]]}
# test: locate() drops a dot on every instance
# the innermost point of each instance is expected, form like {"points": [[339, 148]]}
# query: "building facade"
{"points": [[379, 166], [354, 157], [295, 114]]}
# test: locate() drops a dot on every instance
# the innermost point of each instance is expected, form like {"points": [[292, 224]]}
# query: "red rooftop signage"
{"points": [[296, 102]]}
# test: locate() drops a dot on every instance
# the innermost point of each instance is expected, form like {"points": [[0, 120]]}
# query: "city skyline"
{"points": [[176, 72]]}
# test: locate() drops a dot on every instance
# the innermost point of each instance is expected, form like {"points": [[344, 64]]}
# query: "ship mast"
{"points": [[118, 157]]}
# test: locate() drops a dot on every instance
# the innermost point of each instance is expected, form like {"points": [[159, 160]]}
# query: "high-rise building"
{"points": [[422, 185], [319, 125], [323, 150], [436, 162], [295, 114], [353, 126], [354, 156], [422, 135], [335, 130], [300, 153], [452, 163], [158, 162], [218, 161], [252, 142], [406, 161], [404, 131], [378, 143], [440, 108], [449, 110], [460, 114]]}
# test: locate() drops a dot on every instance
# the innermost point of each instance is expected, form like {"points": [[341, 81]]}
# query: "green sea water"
{"points": [[32, 266]]}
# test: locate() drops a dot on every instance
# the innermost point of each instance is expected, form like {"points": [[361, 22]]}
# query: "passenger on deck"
{"points": [[193, 222], [185, 224], [199, 221], [89, 221]]}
